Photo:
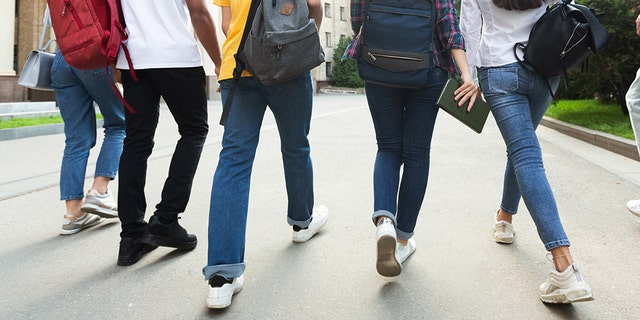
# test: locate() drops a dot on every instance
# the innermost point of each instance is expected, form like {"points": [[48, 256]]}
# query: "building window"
{"points": [[327, 10], [327, 39], [343, 14], [328, 69]]}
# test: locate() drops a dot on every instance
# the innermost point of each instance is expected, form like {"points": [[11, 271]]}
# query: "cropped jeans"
{"points": [[519, 98], [403, 120], [76, 90], [291, 104]]}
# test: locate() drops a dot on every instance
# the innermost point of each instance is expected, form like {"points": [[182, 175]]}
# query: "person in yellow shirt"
{"points": [[290, 102]]}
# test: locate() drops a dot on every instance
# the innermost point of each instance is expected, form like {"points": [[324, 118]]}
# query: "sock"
{"points": [[218, 281], [297, 228]]}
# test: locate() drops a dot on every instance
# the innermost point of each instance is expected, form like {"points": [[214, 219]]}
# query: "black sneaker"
{"points": [[131, 250], [168, 235]]}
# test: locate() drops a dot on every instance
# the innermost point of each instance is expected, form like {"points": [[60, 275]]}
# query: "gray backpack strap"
{"points": [[240, 66]]}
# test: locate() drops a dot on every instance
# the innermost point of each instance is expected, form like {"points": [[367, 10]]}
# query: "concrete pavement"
{"points": [[457, 271]]}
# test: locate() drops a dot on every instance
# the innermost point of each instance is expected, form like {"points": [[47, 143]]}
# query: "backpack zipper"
{"points": [[68, 7], [374, 57]]}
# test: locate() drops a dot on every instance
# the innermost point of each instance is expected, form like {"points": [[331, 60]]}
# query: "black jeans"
{"points": [[183, 89]]}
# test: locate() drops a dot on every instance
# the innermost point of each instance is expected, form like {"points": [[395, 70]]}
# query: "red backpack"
{"points": [[90, 33]]}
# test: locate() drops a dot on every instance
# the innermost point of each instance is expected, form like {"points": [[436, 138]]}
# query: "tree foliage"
{"points": [[345, 73], [610, 72]]}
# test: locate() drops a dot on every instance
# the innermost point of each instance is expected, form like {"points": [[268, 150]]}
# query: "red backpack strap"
{"points": [[118, 28]]}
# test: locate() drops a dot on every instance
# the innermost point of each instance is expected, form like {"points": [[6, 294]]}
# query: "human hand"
{"points": [[468, 91], [638, 25]]}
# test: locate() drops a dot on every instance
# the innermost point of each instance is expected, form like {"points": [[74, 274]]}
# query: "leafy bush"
{"points": [[345, 73], [610, 72]]}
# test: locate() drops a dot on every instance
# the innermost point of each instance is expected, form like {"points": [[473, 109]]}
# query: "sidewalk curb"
{"points": [[33, 131], [615, 144]]}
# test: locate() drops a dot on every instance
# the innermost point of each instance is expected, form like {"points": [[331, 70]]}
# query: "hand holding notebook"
{"points": [[474, 119]]}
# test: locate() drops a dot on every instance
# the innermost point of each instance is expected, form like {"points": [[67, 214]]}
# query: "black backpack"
{"points": [[562, 39]]}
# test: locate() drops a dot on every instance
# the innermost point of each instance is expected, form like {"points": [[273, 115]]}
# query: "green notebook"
{"points": [[474, 119]]}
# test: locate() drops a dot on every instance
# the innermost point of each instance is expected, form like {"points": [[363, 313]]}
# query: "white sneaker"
{"points": [[387, 263], [100, 204], [503, 232], [403, 252], [220, 297], [319, 218], [567, 286], [634, 207]]}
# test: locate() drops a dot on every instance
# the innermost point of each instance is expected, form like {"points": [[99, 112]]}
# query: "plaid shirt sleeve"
{"points": [[357, 14], [448, 35], [357, 17]]}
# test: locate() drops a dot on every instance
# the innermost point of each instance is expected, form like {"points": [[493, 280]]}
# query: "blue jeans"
{"points": [[403, 120], [76, 90], [519, 99], [291, 104]]}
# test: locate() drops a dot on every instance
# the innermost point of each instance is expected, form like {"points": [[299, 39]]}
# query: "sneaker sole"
{"points": [[155, 240], [221, 303], [505, 240], [74, 231], [637, 214], [127, 262], [100, 211], [387, 265], [580, 295]]}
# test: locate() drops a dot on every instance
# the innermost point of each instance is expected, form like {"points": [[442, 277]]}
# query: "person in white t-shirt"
{"points": [[518, 99], [166, 64]]}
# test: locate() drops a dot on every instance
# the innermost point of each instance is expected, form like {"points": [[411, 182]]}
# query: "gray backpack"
{"points": [[280, 42]]}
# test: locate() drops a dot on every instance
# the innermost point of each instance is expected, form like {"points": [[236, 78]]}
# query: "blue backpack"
{"points": [[396, 42]]}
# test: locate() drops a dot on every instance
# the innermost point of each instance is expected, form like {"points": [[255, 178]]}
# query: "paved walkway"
{"points": [[457, 272]]}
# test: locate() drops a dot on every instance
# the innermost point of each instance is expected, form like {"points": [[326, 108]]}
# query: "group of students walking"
{"points": [[168, 65]]}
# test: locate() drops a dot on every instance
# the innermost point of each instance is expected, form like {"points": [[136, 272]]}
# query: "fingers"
{"points": [[466, 92]]}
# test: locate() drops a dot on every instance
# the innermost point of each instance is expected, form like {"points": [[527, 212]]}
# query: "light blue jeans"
{"points": [[291, 104], [403, 120], [519, 98], [76, 90]]}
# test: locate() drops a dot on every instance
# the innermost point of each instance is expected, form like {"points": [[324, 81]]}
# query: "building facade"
{"points": [[21, 25]]}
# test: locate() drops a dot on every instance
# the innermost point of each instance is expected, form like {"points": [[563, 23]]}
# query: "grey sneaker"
{"points": [[100, 204], [71, 227]]}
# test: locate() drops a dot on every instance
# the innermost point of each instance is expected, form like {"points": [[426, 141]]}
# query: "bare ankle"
{"points": [[501, 215]]}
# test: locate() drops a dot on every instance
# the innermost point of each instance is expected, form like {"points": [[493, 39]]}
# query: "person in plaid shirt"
{"points": [[404, 120]]}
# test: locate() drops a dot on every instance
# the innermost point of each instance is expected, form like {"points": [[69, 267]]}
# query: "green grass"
{"points": [[27, 122], [590, 114], [594, 115]]}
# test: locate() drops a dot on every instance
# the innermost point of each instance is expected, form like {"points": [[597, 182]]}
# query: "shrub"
{"points": [[610, 72], [345, 73]]}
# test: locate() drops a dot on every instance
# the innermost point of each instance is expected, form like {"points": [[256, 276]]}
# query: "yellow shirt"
{"points": [[239, 13]]}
